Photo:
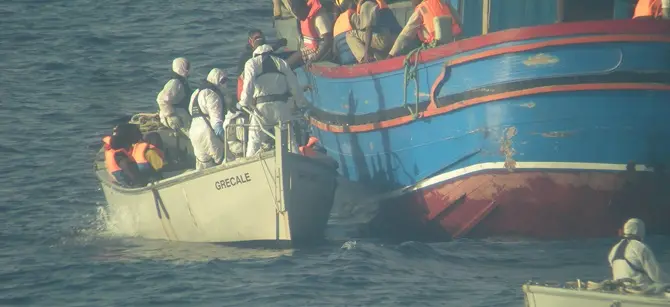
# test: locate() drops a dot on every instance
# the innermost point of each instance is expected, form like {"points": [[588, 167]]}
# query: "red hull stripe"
{"points": [[614, 27]]}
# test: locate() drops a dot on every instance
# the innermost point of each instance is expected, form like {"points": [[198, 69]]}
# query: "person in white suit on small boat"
{"points": [[631, 258], [173, 99], [207, 109], [268, 85]]}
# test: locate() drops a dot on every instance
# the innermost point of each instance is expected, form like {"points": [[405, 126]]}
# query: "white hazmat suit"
{"points": [[267, 83], [233, 124], [173, 98], [636, 260], [208, 147]]}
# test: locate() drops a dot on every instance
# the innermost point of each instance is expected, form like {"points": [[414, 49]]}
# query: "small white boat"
{"points": [[592, 294], [274, 196]]}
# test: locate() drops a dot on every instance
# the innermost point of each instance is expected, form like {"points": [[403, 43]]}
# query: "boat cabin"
{"points": [[480, 17]]}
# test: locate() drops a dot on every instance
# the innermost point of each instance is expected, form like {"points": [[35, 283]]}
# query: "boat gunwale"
{"points": [[531, 289], [611, 27], [191, 174]]}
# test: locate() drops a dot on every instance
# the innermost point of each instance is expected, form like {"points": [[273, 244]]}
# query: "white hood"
{"points": [[217, 77], [634, 227], [263, 49], [181, 66]]}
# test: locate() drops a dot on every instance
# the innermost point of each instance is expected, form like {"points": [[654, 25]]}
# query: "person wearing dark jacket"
{"points": [[255, 39]]}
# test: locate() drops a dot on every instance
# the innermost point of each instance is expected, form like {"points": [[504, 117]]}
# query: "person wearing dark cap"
{"points": [[118, 159], [255, 38]]}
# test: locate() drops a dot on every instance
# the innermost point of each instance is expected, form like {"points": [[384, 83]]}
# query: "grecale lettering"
{"points": [[232, 181]]}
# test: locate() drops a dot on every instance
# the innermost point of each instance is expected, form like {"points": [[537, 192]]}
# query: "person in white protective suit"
{"points": [[268, 83], [173, 99], [207, 108], [236, 132], [630, 258]]}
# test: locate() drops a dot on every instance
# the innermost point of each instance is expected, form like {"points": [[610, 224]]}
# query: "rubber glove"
{"points": [[218, 129]]}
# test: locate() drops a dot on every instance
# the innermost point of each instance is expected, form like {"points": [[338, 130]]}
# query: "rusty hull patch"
{"points": [[540, 59], [506, 148], [556, 134]]}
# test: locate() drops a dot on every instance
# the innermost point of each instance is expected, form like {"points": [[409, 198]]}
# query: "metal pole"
{"points": [[666, 9]]}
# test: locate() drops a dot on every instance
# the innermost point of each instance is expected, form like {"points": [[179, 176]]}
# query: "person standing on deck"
{"points": [[207, 108], [254, 39], [316, 30], [374, 30], [268, 84], [630, 258], [173, 99], [420, 27]]}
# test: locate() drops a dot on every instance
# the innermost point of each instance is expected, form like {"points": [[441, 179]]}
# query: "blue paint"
{"points": [[364, 95], [589, 126], [610, 126]]}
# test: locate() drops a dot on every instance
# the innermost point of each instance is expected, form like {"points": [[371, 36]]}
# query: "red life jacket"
{"points": [[310, 36], [429, 9]]}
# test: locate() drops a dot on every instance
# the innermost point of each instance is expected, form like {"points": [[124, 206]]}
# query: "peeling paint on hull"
{"points": [[557, 205]]}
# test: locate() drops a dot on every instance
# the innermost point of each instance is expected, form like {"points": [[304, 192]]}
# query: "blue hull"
{"points": [[579, 102]]}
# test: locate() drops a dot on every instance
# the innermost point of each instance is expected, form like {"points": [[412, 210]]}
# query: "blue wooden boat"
{"points": [[550, 119]]}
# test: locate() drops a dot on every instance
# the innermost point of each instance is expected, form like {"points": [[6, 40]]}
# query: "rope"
{"points": [[147, 121], [411, 70]]}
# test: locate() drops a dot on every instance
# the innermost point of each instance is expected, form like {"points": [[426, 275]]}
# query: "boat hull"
{"points": [[272, 197], [548, 205], [563, 110], [540, 296]]}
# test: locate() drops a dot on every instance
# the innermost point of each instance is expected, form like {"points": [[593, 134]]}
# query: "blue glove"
{"points": [[218, 129]]}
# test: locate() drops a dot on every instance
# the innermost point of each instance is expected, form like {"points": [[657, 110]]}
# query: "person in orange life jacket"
{"points": [[118, 160], [648, 9], [148, 156], [630, 258], [420, 27], [316, 30], [374, 30], [341, 29]]}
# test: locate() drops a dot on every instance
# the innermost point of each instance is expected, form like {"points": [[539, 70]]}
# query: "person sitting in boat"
{"points": [[316, 30], [648, 9], [173, 99], [341, 30], [118, 160], [375, 29], [236, 132], [254, 39], [420, 27], [630, 258], [148, 156], [268, 85], [207, 108]]}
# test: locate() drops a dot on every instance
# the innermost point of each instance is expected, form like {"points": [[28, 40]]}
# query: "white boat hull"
{"points": [[274, 196], [543, 296]]}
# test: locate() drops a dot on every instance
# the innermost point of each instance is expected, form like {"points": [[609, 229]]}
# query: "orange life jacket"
{"points": [[310, 36], [138, 151], [240, 82], [107, 142], [429, 9], [343, 23], [113, 168], [308, 149], [648, 8]]}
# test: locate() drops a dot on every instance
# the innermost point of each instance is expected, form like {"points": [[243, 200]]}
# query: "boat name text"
{"points": [[232, 181]]}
